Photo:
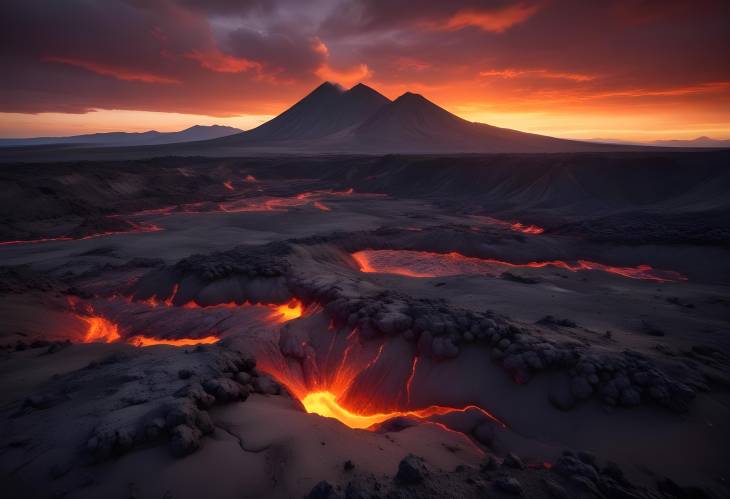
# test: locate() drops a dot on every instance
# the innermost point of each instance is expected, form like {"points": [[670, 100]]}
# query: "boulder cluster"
{"points": [[441, 330], [148, 398], [574, 474]]}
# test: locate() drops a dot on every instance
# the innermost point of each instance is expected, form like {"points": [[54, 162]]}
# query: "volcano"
{"points": [[327, 111], [361, 120]]}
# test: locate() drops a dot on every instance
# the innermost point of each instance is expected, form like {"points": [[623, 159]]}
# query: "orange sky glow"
{"points": [[636, 71]]}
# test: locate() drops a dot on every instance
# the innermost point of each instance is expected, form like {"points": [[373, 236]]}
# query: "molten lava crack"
{"points": [[135, 229], [327, 395], [426, 264], [100, 330], [325, 404], [147, 341]]}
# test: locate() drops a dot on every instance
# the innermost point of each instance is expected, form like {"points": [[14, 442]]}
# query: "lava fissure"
{"points": [[327, 395], [135, 229], [423, 264], [279, 312]]}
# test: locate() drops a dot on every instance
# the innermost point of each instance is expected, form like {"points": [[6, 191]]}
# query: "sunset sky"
{"points": [[632, 70]]}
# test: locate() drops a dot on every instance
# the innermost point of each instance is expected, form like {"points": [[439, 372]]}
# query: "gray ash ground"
{"points": [[598, 385]]}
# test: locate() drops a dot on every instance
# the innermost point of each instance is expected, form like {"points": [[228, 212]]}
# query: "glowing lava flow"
{"points": [[325, 404], [287, 312], [327, 395], [147, 341], [426, 264], [100, 330], [279, 313]]}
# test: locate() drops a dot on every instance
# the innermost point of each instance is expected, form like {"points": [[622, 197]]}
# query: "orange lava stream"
{"points": [[426, 264], [100, 330], [146, 341], [327, 394], [287, 312], [228, 185], [279, 313], [325, 404]]}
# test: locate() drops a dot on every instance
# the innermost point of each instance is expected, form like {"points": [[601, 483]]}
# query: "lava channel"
{"points": [[426, 264], [327, 396], [101, 330], [326, 404]]}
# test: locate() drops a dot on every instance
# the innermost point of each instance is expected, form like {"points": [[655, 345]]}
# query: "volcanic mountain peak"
{"points": [[327, 88], [361, 119]]}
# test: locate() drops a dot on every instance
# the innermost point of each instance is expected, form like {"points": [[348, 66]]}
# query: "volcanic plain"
{"points": [[544, 325]]}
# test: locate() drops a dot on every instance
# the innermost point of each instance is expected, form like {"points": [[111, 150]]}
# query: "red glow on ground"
{"points": [[287, 312], [99, 330], [527, 229], [426, 264], [327, 395], [325, 404], [253, 204], [278, 313], [515, 226], [147, 341], [136, 228], [409, 383]]}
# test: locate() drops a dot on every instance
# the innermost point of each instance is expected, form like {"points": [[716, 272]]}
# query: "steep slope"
{"points": [[325, 111], [412, 123], [152, 137]]}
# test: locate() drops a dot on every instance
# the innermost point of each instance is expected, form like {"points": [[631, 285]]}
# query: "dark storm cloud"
{"points": [[227, 57]]}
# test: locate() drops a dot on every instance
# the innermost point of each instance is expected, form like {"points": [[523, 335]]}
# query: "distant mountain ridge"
{"points": [[152, 137], [698, 142], [703, 142]]}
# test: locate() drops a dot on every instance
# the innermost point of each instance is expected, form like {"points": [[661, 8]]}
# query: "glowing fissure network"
{"points": [[324, 400], [427, 264], [327, 397]]}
